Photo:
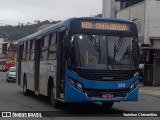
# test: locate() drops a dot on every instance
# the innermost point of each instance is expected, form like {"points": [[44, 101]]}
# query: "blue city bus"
{"points": [[86, 59]]}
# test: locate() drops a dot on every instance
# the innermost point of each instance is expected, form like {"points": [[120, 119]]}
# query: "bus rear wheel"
{"points": [[25, 90], [107, 105]]}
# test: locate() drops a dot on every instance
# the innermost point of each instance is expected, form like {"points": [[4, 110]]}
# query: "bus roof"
{"points": [[102, 18], [67, 24]]}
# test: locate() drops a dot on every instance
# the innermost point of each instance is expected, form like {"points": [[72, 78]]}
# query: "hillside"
{"points": [[11, 33]]}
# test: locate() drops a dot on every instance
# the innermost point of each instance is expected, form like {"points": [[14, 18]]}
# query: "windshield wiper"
{"points": [[117, 47], [96, 46]]}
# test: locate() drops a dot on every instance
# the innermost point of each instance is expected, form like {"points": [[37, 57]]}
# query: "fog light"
{"points": [[79, 85]]}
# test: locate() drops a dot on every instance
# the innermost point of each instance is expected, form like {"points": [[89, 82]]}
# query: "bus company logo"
{"points": [[6, 114], [107, 78]]}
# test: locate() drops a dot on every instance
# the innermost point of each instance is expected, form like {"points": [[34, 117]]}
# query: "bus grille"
{"points": [[105, 75], [98, 94]]}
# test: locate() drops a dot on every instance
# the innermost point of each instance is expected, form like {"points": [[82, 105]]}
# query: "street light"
{"points": [[137, 21]]}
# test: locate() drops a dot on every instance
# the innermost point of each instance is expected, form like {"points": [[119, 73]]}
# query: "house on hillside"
{"points": [[44, 26], [1, 41], [12, 47]]}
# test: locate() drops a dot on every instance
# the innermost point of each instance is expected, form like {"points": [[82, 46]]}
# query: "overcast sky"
{"points": [[23, 11]]}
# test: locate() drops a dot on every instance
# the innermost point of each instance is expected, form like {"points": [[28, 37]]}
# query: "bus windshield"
{"points": [[103, 52]]}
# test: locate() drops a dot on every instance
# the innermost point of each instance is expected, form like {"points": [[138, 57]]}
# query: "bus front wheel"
{"points": [[53, 101], [107, 105]]}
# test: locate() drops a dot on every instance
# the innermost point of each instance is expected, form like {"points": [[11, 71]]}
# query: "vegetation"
{"points": [[13, 33]]}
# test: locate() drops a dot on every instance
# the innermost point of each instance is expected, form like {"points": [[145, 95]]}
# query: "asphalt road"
{"points": [[12, 99]]}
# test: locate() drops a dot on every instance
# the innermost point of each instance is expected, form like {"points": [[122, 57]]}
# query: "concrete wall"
{"points": [[106, 9], [109, 8], [135, 13], [152, 19]]}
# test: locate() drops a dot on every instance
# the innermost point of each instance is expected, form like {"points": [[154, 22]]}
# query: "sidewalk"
{"points": [[153, 91]]}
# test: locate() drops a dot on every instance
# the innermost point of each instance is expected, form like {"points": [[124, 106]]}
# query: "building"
{"points": [[109, 8], [126, 3], [8, 53], [131, 10], [3, 49], [135, 13], [12, 47], [44, 26], [145, 14]]}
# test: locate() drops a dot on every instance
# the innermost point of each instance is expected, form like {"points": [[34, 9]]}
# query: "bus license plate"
{"points": [[107, 95]]}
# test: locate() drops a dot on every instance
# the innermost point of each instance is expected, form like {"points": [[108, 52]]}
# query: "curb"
{"points": [[149, 94]]}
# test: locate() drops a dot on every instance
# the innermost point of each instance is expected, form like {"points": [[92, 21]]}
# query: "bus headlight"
{"points": [[72, 82], [133, 85], [76, 84]]}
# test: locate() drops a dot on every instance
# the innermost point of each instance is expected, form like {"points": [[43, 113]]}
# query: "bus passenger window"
{"points": [[24, 53], [52, 46], [32, 44], [28, 51], [44, 47]]}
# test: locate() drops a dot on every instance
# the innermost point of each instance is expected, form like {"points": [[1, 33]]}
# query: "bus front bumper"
{"points": [[72, 94]]}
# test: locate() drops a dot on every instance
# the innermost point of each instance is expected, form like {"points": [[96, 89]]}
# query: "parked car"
{"points": [[11, 75], [7, 66]]}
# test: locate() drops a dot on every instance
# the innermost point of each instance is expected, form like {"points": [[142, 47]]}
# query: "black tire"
{"points": [[52, 99], [26, 92], [107, 105]]}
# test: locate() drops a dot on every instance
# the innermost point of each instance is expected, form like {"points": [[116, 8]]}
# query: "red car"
{"points": [[7, 66]]}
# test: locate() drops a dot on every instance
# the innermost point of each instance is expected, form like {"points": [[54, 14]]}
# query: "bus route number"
{"points": [[86, 25]]}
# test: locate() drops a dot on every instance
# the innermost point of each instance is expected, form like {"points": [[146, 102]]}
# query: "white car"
{"points": [[11, 75]]}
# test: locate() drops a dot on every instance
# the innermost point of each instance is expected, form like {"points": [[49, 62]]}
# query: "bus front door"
{"points": [[61, 66]]}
